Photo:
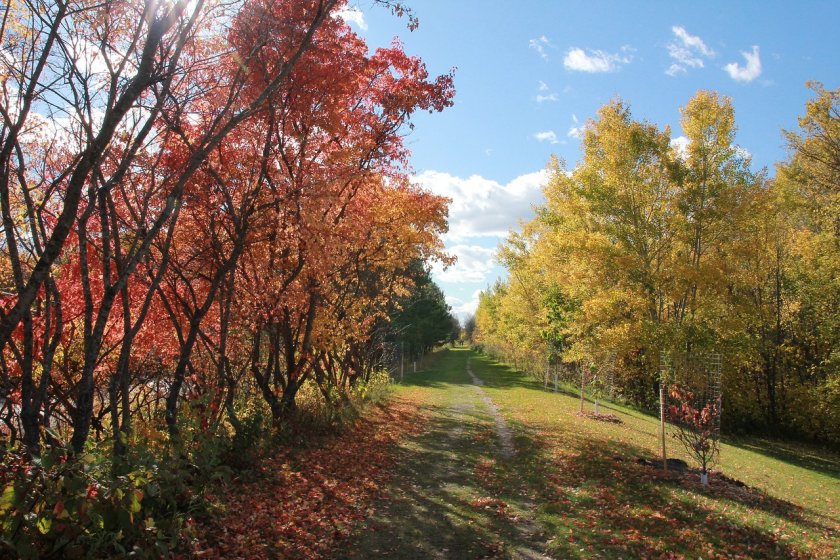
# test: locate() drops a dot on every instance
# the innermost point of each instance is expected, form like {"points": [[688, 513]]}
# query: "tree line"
{"points": [[204, 203], [650, 247]]}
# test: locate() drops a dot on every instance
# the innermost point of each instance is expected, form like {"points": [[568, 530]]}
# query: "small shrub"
{"points": [[375, 388], [696, 428], [59, 506]]}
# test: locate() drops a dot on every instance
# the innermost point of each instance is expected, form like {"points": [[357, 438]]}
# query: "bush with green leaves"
{"points": [[61, 506]]}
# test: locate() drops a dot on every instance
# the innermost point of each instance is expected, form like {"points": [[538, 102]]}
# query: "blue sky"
{"points": [[528, 73]]}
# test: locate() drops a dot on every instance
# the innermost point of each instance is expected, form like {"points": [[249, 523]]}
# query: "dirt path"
{"points": [[452, 498], [507, 449], [530, 545]]}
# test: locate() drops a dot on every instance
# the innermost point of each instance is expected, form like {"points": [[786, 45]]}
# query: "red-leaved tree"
{"points": [[697, 429]]}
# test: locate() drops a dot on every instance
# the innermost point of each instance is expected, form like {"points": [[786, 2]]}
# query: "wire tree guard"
{"points": [[690, 393], [600, 376], [562, 373]]}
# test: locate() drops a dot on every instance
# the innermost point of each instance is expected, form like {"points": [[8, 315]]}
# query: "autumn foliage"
{"points": [[697, 427], [649, 246], [216, 217], [326, 492]]}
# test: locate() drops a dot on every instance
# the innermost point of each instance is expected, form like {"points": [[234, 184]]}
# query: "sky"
{"points": [[529, 74]]}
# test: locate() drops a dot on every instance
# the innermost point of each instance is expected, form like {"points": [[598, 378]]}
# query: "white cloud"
{"points": [[575, 131], [680, 145], [687, 51], [482, 207], [594, 61], [539, 44], [88, 58], [64, 127], [743, 152], [692, 42], [473, 265], [467, 308], [481, 214], [545, 93], [453, 301], [547, 136], [10, 98], [747, 73], [353, 15], [463, 309]]}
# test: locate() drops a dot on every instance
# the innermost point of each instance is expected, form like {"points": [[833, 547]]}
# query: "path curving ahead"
{"points": [[453, 496]]}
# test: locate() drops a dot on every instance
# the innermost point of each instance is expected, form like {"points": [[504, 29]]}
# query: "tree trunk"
{"points": [[662, 425]]}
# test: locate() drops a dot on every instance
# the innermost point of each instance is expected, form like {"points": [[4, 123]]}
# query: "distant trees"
{"points": [[422, 319], [647, 247], [469, 328]]}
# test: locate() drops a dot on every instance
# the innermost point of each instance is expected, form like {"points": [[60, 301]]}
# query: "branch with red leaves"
{"points": [[696, 429]]}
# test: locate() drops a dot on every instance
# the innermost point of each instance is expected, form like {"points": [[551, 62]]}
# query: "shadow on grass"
{"points": [[593, 499], [440, 506], [447, 369], [806, 456], [451, 370], [598, 501]]}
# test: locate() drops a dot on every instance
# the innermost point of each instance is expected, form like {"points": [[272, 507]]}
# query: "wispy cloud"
{"points": [[680, 145], [461, 308], [545, 94], [547, 136], [481, 214], [594, 61], [686, 51], [576, 130], [539, 44], [750, 71], [352, 14], [743, 152], [473, 265]]}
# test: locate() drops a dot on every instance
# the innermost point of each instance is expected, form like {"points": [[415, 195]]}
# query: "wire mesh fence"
{"points": [[697, 380]]}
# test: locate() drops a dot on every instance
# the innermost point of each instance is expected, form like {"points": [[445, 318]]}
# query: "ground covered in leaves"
{"points": [[304, 503]]}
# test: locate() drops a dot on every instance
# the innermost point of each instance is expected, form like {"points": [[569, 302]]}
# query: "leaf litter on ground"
{"points": [[304, 503]]}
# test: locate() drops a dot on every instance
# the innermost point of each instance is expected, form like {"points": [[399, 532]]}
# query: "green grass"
{"points": [[787, 508], [445, 500], [578, 482]]}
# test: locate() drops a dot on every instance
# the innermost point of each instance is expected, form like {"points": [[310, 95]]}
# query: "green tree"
{"points": [[423, 319]]}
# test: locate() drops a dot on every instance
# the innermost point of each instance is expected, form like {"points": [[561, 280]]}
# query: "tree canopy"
{"points": [[649, 247]]}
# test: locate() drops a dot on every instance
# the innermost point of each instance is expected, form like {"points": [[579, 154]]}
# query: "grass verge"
{"points": [[596, 500]]}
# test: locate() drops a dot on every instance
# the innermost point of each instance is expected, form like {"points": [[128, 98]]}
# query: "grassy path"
{"points": [[447, 501], [501, 468]]}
